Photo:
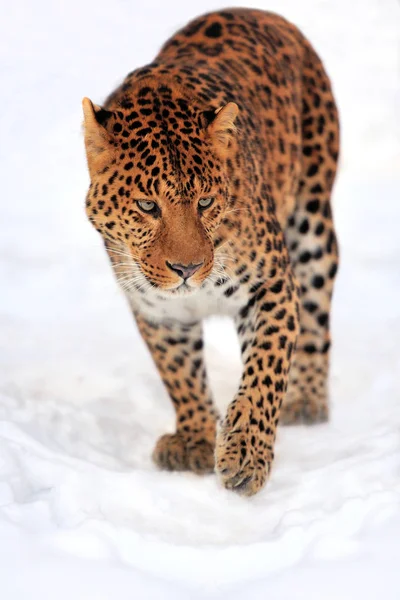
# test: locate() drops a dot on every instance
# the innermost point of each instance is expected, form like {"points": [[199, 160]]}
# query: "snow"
{"points": [[83, 512]]}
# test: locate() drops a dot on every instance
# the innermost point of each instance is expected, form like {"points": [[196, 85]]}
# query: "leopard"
{"points": [[211, 176]]}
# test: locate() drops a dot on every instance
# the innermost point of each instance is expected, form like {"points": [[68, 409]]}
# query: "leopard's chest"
{"points": [[226, 298]]}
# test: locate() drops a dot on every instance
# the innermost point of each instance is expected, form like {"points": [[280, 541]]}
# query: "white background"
{"points": [[83, 512]]}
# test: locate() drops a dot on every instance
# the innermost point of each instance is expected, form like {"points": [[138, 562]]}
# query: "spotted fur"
{"points": [[217, 160]]}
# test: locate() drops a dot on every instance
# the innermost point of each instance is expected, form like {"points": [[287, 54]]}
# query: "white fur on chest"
{"points": [[208, 300]]}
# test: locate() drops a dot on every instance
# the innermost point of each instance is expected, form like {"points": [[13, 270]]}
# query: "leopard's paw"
{"points": [[170, 452], [304, 412], [242, 461], [173, 452], [201, 457]]}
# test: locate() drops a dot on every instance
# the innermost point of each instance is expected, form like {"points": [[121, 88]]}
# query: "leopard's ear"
{"points": [[222, 127], [98, 142]]}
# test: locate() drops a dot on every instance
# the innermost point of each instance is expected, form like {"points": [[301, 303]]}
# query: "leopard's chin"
{"points": [[181, 291]]}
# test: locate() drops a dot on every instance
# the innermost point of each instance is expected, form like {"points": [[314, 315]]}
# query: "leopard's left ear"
{"points": [[98, 141], [222, 127]]}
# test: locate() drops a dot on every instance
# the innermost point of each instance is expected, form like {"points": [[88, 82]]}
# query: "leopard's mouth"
{"points": [[140, 281]]}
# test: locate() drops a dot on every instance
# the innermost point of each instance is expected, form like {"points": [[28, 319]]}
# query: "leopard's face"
{"points": [[159, 189]]}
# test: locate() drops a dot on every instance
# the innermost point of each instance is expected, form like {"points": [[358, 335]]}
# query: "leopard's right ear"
{"points": [[222, 126], [98, 141]]}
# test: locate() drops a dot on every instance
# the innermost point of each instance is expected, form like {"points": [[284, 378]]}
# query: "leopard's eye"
{"points": [[148, 206], [205, 203]]}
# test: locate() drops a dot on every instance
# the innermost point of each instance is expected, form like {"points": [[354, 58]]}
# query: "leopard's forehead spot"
{"points": [[161, 139]]}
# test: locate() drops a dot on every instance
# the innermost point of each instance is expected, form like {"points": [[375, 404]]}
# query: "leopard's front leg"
{"points": [[177, 350], [267, 328]]}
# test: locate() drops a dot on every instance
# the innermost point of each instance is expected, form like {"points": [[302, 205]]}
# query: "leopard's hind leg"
{"points": [[311, 239]]}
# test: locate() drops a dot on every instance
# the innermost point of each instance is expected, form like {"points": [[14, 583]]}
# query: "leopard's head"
{"points": [[160, 185]]}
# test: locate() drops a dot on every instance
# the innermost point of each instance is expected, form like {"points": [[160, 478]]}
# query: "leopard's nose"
{"points": [[185, 271]]}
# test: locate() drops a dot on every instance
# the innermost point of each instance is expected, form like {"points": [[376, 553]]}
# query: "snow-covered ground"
{"points": [[83, 512]]}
